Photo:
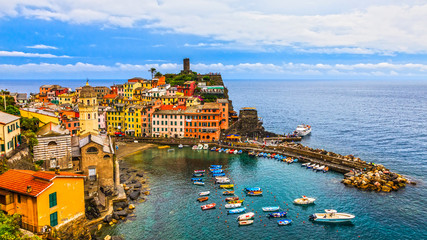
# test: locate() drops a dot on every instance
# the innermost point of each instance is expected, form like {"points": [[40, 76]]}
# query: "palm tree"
{"points": [[153, 71]]}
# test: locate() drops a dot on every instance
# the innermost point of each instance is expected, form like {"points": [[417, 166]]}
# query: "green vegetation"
{"points": [[153, 71], [30, 124], [11, 108], [209, 97], [206, 78], [31, 139], [180, 79], [158, 74], [9, 228]]}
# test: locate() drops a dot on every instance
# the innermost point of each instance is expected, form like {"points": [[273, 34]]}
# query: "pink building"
{"points": [[169, 121]]}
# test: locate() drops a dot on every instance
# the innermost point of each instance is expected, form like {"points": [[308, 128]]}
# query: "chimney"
{"points": [[29, 189]]}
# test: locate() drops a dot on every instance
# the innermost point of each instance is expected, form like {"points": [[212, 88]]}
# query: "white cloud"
{"points": [[29, 55], [203, 45], [330, 26], [42, 46], [267, 70]]}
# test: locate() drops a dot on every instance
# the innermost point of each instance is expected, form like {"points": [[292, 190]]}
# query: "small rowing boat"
{"points": [[222, 180], [246, 222], [246, 216], [231, 199], [283, 222], [251, 189], [228, 193], [213, 149], [271, 209], [218, 174], [198, 174], [236, 210], [304, 164], [277, 214], [216, 166], [254, 193], [304, 200], [236, 201], [198, 183], [204, 193], [163, 147], [196, 179], [208, 206], [202, 199], [227, 186], [233, 205], [216, 170], [180, 146], [199, 171]]}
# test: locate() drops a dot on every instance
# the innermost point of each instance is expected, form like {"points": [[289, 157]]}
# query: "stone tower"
{"points": [[88, 110], [186, 66]]}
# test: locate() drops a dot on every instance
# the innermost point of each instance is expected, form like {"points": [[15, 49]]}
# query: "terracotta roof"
{"points": [[110, 96], [18, 180], [172, 107]]}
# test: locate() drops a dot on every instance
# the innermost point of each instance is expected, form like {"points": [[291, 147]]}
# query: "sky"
{"points": [[241, 39]]}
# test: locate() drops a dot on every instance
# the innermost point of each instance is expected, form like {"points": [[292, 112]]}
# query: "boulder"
{"points": [[140, 174], [134, 194], [122, 213], [137, 185], [386, 189], [131, 206], [99, 226], [121, 205], [115, 217], [108, 237], [117, 238], [108, 218]]}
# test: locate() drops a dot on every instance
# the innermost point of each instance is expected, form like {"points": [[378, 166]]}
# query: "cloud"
{"points": [[267, 70], [330, 26], [29, 55], [203, 45], [42, 46]]}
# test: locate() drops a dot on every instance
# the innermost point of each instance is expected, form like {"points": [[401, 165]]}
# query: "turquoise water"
{"points": [[172, 212]]}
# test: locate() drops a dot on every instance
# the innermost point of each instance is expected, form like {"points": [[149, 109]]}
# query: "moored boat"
{"points": [[216, 166], [236, 210], [246, 222], [199, 171], [303, 130], [215, 170], [251, 189], [332, 216], [194, 147], [163, 147], [226, 186], [198, 174], [218, 174], [233, 205], [284, 222], [205, 146], [228, 193], [271, 209], [199, 183], [304, 164], [196, 179], [277, 214], [231, 199], [180, 146], [222, 180], [326, 169], [202, 199], [204, 193], [320, 168], [304, 200], [213, 149], [208, 206], [254, 193], [236, 201], [246, 216]]}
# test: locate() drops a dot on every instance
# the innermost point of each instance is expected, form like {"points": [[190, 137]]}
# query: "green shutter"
{"points": [[52, 200], [54, 219], [2, 147]]}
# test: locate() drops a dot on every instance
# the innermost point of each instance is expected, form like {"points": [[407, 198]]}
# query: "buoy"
{"points": [[255, 211], [221, 212], [225, 220], [303, 221], [296, 216], [218, 216], [252, 201], [286, 204], [228, 226], [261, 220], [297, 213], [265, 225]]}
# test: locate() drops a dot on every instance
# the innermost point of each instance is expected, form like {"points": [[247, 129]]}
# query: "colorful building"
{"points": [[10, 133], [169, 121], [188, 88], [101, 91], [128, 89], [169, 100], [43, 199], [67, 98], [88, 110], [132, 117], [115, 119], [43, 115], [147, 114]]}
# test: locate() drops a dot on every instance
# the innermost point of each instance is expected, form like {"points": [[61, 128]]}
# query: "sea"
{"points": [[383, 122]]}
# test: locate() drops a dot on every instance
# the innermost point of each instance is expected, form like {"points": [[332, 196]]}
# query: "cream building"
{"points": [[10, 133]]}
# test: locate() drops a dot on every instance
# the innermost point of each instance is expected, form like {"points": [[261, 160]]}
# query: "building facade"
{"points": [[10, 133], [88, 110]]}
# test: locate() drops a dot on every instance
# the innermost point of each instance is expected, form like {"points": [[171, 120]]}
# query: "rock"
{"points": [[99, 226], [146, 193], [114, 221], [108, 218], [126, 188], [133, 181], [117, 238], [111, 223], [385, 189], [140, 174], [119, 209], [121, 204], [107, 190], [115, 217], [122, 213], [402, 185], [131, 207], [108, 237], [134, 194], [137, 185]]}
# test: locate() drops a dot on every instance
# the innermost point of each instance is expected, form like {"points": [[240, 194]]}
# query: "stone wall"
{"points": [[57, 148], [101, 161]]}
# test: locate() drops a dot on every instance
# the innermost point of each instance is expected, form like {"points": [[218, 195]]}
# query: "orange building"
{"points": [[43, 199]]}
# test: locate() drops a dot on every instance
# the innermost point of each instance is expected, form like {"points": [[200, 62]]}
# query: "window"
{"points": [[54, 219], [19, 198], [52, 200], [52, 144], [88, 116], [92, 150]]}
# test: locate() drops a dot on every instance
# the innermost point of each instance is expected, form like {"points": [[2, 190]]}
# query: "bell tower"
{"points": [[88, 110]]}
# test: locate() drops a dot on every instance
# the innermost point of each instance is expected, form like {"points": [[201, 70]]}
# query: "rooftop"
{"points": [[6, 118]]}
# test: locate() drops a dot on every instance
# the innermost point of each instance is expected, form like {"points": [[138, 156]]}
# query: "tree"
{"points": [[31, 139], [153, 71], [11, 108], [9, 227], [31, 124], [206, 78], [158, 74]]}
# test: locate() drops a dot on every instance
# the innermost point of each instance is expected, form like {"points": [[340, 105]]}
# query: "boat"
{"points": [[304, 164], [213, 149], [246, 222], [237, 201], [304, 200], [198, 174], [228, 193], [204, 193], [205, 146], [221, 150], [226, 186], [332, 216], [236, 210], [163, 147], [197, 179], [271, 209], [254, 193], [198, 183], [199, 171], [310, 165], [180, 146], [171, 150], [208, 206], [246, 216], [222, 180], [251, 189], [194, 147], [296, 160], [233, 205], [227, 150], [303, 130], [217, 170], [202, 199], [316, 167], [199, 147], [218, 174], [326, 169], [231, 199], [277, 214], [236, 151], [283, 222], [320, 168]]}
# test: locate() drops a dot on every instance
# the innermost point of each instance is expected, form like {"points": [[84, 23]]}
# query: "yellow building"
{"points": [[88, 109], [44, 116], [10, 133], [193, 101], [169, 100], [147, 84], [128, 89], [42, 198], [115, 119], [67, 98], [133, 120]]}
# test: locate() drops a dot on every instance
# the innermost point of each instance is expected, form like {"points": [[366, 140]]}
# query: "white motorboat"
{"points": [[205, 146], [204, 193], [233, 205], [222, 180], [246, 222], [320, 168], [246, 216], [199, 147], [194, 147], [315, 167], [304, 200], [303, 130], [304, 164], [332, 216], [180, 146]]}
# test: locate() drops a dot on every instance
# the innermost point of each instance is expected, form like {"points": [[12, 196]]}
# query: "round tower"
{"points": [[88, 110]]}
